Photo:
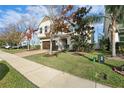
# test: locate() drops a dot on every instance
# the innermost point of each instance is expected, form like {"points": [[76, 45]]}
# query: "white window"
{"points": [[41, 30], [46, 28]]}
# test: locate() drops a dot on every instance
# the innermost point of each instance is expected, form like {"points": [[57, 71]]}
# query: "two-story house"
{"points": [[60, 41]]}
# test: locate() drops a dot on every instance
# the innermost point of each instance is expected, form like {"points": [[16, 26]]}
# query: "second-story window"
{"points": [[46, 28], [41, 30]]}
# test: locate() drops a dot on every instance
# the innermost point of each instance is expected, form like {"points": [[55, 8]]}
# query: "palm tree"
{"points": [[116, 16]]}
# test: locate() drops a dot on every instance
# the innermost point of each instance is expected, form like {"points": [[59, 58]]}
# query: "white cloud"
{"points": [[18, 9], [1, 24], [9, 17], [1, 11], [38, 10], [12, 16], [97, 9], [32, 13]]}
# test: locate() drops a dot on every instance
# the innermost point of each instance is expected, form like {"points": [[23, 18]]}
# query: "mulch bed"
{"points": [[121, 55], [78, 54], [117, 70], [48, 55]]}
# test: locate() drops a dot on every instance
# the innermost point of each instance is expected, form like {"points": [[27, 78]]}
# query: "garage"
{"points": [[46, 45]]}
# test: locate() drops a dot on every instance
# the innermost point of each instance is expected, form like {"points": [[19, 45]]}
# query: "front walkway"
{"points": [[44, 76]]}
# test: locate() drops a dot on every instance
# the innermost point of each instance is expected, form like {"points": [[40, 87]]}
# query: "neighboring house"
{"points": [[34, 40], [121, 34], [61, 40], [23, 41]]}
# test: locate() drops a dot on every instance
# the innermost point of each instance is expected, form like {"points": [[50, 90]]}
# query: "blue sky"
{"points": [[14, 13], [17, 8], [12, 7]]}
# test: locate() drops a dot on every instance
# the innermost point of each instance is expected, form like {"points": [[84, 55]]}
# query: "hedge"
{"points": [[120, 47]]}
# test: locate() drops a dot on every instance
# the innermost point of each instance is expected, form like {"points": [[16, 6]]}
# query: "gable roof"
{"points": [[46, 18]]}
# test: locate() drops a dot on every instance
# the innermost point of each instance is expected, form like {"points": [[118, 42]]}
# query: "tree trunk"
{"points": [[50, 52], [113, 44], [113, 37], [28, 45]]}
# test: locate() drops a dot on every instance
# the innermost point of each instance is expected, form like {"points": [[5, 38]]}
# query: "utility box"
{"points": [[101, 59]]}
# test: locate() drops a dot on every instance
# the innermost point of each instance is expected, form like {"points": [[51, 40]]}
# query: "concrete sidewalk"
{"points": [[44, 76]]}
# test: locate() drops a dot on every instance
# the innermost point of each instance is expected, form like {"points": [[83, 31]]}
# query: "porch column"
{"points": [[41, 44], [60, 44], [69, 43]]}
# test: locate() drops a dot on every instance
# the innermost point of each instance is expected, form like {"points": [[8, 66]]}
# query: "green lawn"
{"points": [[13, 51], [83, 67], [10, 78]]}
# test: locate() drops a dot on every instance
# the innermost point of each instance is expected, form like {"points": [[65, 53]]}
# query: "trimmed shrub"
{"points": [[120, 47]]}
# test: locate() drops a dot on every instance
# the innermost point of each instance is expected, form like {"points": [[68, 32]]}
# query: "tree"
{"points": [[11, 35], [70, 17], [28, 27], [2, 41], [57, 22], [29, 35], [116, 13], [75, 19], [103, 43], [82, 24]]}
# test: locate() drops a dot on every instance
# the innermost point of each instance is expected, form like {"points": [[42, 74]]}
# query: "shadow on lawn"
{"points": [[53, 54], [4, 69], [111, 66], [89, 58]]}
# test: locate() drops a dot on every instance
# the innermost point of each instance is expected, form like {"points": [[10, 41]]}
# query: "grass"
{"points": [[82, 66], [13, 51], [10, 78]]}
